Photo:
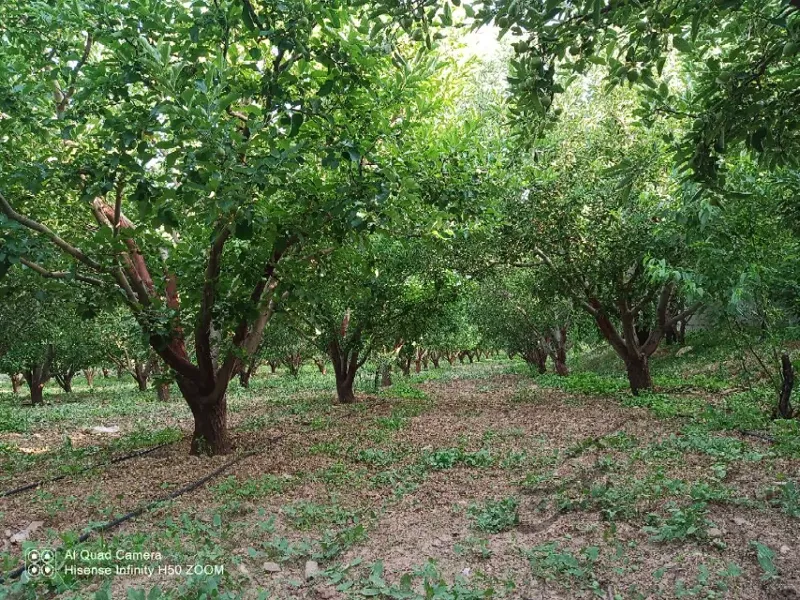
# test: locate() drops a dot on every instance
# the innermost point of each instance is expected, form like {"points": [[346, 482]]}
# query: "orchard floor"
{"points": [[472, 482]]}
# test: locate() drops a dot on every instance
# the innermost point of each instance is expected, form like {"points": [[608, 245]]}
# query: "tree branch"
{"points": [[49, 234], [60, 274], [202, 338]]}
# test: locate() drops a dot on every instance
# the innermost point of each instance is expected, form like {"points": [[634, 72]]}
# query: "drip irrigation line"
{"points": [[149, 506], [758, 434], [119, 459]]}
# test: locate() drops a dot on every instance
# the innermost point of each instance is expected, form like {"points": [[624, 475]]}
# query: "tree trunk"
{"points": [[272, 366], [386, 376], [558, 344], [451, 358], [322, 365], [210, 435], [344, 390], [244, 378], [537, 358], [345, 359], [64, 381], [435, 360], [162, 392], [37, 376], [787, 374], [405, 366], [105, 373], [638, 369], [89, 374], [140, 374], [16, 381]]}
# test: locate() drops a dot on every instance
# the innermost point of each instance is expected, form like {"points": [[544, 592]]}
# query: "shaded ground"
{"points": [[483, 483]]}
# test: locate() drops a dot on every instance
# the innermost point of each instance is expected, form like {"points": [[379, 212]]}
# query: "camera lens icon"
{"points": [[40, 562]]}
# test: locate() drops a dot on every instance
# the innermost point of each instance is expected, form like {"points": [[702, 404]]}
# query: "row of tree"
{"points": [[211, 169]]}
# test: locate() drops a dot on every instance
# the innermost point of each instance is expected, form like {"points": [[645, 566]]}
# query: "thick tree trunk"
{"points": [[37, 396], [140, 375], [638, 370], [162, 392], [210, 435], [386, 376], [784, 399], [345, 359], [344, 390], [37, 376], [537, 358], [435, 360]]}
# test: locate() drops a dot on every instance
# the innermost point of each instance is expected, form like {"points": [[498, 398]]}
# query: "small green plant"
{"points": [[766, 560], [683, 523], [495, 516], [788, 499], [477, 547], [550, 563]]}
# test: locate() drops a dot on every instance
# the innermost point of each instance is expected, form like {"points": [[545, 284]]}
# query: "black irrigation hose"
{"points": [[119, 459], [36, 484], [758, 434], [142, 509]]}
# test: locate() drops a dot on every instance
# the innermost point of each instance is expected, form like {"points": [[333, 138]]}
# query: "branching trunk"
{"points": [[273, 365], [537, 357], [64, 379], [346, 362], [293, 362], [89, 374], [435, 357]]}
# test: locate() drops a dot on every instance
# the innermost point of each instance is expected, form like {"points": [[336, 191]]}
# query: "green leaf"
{"points": [[681, 44], [297, 122]]}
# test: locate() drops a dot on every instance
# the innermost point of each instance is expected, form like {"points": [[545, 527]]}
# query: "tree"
{"points": [[515, 310], [194, 153], [378, 294], [77, 346], [599, 214], [736, 62]]}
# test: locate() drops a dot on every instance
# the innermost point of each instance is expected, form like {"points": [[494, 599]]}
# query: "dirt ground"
{"points": [[594, 484]]}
